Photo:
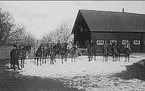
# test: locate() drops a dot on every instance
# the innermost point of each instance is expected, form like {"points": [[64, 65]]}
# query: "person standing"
{"points": [[14, 55]]}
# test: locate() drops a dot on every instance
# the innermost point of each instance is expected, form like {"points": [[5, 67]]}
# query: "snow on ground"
{"points": [[91, 76]]}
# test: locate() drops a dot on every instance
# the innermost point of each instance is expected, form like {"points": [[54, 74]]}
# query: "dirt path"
{"points": [[13, 81], [90, 76]]}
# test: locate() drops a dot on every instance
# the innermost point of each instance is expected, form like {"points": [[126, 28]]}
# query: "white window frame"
{"points": [[100, 42], [111, 41], [136, 42], [124, 42]]}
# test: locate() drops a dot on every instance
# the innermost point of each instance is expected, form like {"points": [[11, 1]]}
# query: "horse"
{"points": [[115, 52], [45, 54], [105, 53], [64, 51], [22, 54], [90, 53], [72, 51], [127, 52], [60, 49], [94, 52], [39, 54], [52, 56], [55, 50]]}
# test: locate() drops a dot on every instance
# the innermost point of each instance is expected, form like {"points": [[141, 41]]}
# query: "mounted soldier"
{"points": [[90, 51], [127, 51], [105, 51], [14, 54]]}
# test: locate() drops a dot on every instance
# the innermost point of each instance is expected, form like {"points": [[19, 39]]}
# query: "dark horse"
{"points": [[59, 49], [72, 51], [127, 51], [90, 52], [39, 54], [22, 54], [105, 52], [115, 52]]}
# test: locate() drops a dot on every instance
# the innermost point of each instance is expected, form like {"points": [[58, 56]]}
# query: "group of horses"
{"points": [[52, 51], [109, 50], [62, 50]]}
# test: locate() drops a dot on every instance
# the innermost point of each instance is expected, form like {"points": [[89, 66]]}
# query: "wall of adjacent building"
{"points": [[5, 52]]}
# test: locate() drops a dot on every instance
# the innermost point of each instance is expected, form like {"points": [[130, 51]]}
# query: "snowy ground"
{"points": [[89, 76]]}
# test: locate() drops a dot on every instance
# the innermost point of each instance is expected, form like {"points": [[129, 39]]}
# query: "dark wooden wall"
{"points": [[119, 37]]}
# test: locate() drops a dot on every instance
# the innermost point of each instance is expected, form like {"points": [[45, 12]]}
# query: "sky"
{"points": [[41, 17]]}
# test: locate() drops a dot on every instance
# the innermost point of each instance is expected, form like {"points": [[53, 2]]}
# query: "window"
{"points": [[100, 42], [124, 42], [111, 41], [136, 42]]}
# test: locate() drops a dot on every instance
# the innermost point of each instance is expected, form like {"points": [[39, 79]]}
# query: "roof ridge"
{"points": [[109, 11]]}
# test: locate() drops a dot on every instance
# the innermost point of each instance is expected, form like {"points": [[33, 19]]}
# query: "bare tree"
{"points": [[6, 25], [64, 32], [16, 35], [29, 39]]}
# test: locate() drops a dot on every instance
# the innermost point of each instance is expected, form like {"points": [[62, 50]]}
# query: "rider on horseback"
{"points": [[105, 51], [127, 51]]}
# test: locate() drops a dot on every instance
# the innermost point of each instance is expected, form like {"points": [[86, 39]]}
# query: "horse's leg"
{"points": [[128, 58], [103, 58], [45, 59], [37, 61], [11, 64], [74, 58], [65, 57], [113, 57], [71, 57], [40, 60], [116, 58], [54, 59], [106, 58], [89, 57], [119, 56], [94, 57], [125, 57], [50, 58], [18, 64], [21, 62], [14, 66], [62, 58]]}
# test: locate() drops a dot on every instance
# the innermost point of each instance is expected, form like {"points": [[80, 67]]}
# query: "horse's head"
{"points": [[28, 48]]}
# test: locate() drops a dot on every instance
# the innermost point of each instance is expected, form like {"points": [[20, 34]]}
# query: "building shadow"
{"points": [[136, 70]]}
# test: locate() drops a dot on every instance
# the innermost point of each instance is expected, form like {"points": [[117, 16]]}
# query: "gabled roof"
{"points": [[114, 21]]}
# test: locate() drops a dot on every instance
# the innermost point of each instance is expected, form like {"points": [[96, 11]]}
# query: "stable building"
{"points": [[99, 26]]}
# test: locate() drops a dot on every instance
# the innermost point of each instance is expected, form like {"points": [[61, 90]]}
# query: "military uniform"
{"points": [[14, 54]]}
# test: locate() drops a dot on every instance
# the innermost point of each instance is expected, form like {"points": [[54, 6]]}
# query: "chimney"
{"points": [[123, 10]]}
